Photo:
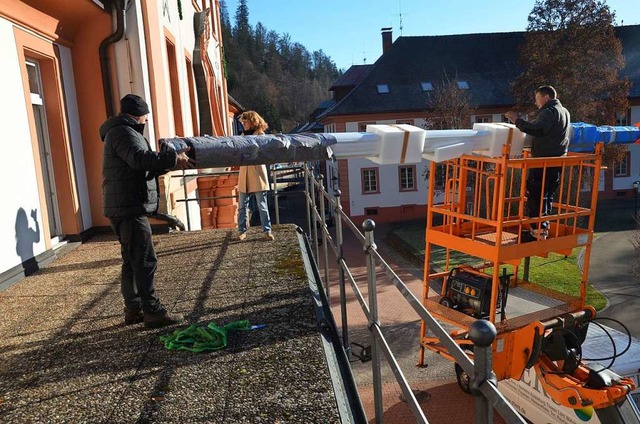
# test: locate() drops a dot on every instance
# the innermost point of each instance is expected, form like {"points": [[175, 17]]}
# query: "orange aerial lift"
{"points": [[480, 226]]}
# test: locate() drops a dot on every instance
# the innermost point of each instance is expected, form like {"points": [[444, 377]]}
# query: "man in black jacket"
{"points": [[130, 193], [549, 131]]}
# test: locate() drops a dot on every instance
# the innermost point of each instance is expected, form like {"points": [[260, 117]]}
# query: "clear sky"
{"points": [[349, 30]]}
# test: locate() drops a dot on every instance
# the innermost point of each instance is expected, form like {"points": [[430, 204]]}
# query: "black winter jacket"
{"points": [[550, 130], [130, 169]]}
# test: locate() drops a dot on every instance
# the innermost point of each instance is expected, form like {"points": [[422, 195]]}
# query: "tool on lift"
{"points": [[469, 291]]}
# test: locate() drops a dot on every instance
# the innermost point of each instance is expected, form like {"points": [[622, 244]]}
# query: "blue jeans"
{"points": [[263, 208]]}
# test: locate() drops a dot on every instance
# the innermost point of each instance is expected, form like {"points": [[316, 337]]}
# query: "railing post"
{"points": [[482, 334], [307, 193], [341, 281], [314, 221], [186, 197], [274, 179], [369, 245], [323, 226]]}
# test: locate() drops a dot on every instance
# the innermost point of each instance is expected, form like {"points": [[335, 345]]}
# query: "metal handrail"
{"points": [[483, 382]]}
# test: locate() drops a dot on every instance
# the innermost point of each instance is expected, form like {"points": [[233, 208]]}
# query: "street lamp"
{"points": [[636, 186]]}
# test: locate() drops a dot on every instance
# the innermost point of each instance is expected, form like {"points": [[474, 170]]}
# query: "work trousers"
{"points": [[139, 263], [539, 196]]}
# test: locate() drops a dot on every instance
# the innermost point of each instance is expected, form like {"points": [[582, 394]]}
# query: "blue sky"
{"points": [[349, 30]]}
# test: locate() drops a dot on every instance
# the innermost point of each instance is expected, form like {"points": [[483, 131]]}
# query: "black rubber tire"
{"points": [[448, 302], [464, 381]]}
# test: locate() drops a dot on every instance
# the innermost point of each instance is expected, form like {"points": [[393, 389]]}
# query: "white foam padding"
{"points": [[439, 138], [392, 141], [498, 135], [451, 151]]}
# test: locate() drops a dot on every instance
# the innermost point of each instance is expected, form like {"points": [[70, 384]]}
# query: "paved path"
{"points": [[610, 271]]}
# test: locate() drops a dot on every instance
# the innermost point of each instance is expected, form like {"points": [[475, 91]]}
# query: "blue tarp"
{"points": [[583, 137]]}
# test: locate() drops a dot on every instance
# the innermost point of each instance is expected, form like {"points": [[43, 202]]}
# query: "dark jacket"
{"points": [[130, 169], [550, 130]]}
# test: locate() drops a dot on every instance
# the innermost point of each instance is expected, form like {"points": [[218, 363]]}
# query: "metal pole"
{"points": [[274, 179], [368, 226], [325, 250], [306, 193], [314, 221], [525, 272], [482, 334], [343, 292], [186, 200]]}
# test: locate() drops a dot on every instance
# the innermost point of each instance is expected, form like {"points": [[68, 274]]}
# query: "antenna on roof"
{"points": [[400, 3], [364, 57]]}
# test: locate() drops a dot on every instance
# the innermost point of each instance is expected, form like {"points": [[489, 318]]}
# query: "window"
{"points": [[426, 86], [362, 126], [370, 181], [371, 211], [621, 119], [621, 168], [463, 85], [192, 96], [484, 118], [174, 83], [408, 208], [383, 88], [407, 177], [469, 210], [405, 121]]}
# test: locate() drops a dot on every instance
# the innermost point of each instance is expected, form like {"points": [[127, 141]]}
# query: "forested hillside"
{"points": [[272, 74]]}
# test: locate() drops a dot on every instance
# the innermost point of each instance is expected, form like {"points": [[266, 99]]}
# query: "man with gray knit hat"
{"points": [[130, 193]]}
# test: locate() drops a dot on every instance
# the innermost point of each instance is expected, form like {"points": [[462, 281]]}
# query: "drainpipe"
{"points": [[104, 58]]}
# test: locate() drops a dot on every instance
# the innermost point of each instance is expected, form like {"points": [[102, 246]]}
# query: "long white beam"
{"points": [[383, 144], [387, 144]]}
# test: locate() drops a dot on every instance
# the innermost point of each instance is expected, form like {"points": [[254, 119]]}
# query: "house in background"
{"points": [[396, 88], [65, 66]]}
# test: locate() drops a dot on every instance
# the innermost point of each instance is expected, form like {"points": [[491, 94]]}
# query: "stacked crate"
{"points": [[207, 213], [222, 212], [226, 207]]}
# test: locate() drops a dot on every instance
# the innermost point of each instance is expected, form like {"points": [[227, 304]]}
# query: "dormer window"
{"points": [[426, 86], [463, 85], [383, 88]]}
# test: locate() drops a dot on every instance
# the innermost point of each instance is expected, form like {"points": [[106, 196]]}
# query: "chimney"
{"points": [[386, 39]]}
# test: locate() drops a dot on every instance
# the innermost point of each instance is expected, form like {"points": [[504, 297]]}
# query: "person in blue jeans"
{"points": [[253, 179]]}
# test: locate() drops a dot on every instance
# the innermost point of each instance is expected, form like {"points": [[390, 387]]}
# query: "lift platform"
{"points": [[483, 220], [483, 216]]}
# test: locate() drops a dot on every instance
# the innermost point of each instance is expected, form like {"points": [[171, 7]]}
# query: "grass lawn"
{"points": [[556, 272]]}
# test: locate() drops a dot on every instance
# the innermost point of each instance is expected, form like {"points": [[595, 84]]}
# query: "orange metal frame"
{"points": [[483, 216]]}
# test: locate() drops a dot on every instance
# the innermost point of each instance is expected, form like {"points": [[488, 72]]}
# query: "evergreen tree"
{"points": [[272, 74]]}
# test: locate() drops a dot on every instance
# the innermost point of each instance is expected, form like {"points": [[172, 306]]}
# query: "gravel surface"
{"points": [[67, 356]]}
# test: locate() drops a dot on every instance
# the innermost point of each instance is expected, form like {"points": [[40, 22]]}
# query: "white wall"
{"points": [[77, 150], [623, 183], [390, 195], [18, 185]]}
